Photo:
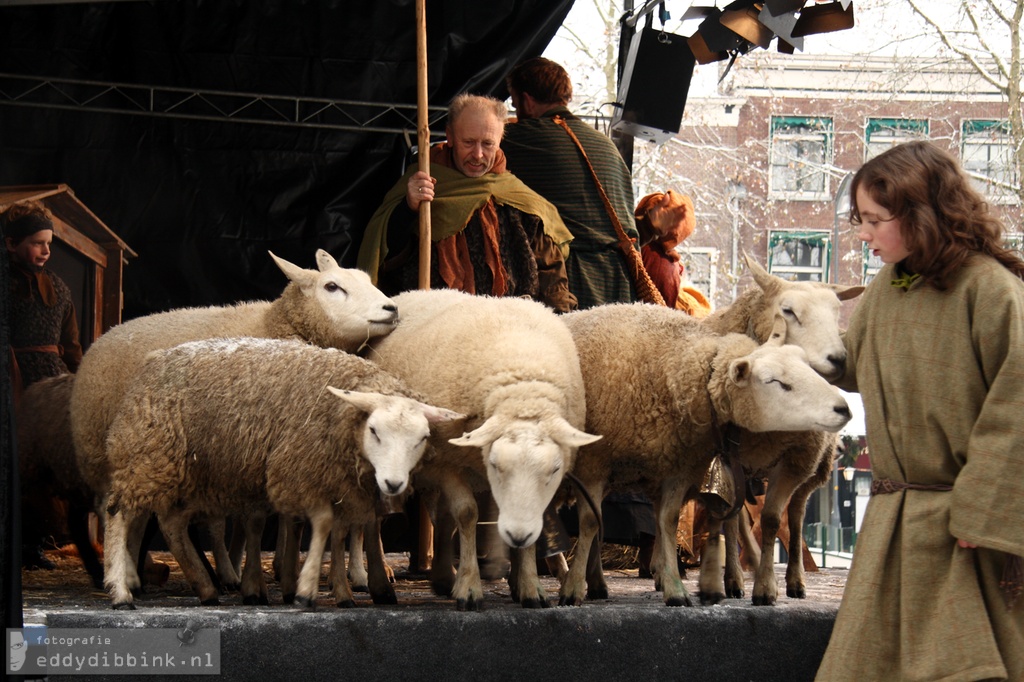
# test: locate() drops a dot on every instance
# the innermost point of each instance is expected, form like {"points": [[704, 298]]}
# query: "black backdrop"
{"points": [[202, 201]]}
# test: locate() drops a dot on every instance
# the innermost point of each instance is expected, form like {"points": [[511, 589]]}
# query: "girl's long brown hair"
{"points": [[943, 219]]}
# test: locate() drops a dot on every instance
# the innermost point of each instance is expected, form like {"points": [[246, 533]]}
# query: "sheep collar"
{"points": [[725, 455]]}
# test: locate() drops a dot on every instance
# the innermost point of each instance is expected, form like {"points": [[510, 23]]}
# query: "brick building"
{"points": [[766, 159]]}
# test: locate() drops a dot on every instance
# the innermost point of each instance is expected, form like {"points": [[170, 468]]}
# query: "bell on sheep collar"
{"points": [[718, 490]]}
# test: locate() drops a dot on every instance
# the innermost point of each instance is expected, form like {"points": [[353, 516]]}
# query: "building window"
{"points": [[987, 157], [801, 153], [699, 262], [1014, 241], [884, 133], [800, 256], [872, 264]]}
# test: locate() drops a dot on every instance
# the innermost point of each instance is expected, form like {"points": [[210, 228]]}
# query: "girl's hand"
{"points": [[966, 545]]}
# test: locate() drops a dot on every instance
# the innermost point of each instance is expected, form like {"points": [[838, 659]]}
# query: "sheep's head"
{"points": [[353, 308], [811, 312], [525, 462], [394, 436], [773, 388]]}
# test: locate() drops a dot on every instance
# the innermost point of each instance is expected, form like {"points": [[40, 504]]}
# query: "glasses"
{"points": [[856, 221]]}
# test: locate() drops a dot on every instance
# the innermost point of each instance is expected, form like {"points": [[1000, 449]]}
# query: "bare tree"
{"points": [[988, 37]]}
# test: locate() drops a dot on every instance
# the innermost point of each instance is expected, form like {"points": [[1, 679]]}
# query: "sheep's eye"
{"points": [[556, 469], [782, 384], [788, 312], [332, 287], [373, 432]]}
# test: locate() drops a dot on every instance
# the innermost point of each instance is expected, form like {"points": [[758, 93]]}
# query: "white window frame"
{"points": [[881, 134], [872, 264], [985, 150], [786, 132], [701, 263], [794, 272]]}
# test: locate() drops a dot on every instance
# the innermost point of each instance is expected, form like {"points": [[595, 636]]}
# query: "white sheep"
{"points": [[330, 307], [238, 426], [511, 365], [791, 462], [658, 383], [811, 311]]}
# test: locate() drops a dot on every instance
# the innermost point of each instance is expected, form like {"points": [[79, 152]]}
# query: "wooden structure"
{"points": [[83, 244]]}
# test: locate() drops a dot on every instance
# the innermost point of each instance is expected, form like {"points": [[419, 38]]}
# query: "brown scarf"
{"points": [[453, 253]]}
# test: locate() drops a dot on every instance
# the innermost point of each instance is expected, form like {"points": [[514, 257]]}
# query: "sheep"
{"points": [[239, 426], [674, 371], [511, 365], [47, 460], [811, 311], [329, 307], [791, 462], [795, 464]]}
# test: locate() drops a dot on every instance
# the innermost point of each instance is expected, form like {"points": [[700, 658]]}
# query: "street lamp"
{"points": [[736, 192], [842, 208]]}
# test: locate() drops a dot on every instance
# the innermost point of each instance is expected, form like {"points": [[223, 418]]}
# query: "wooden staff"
{"points": [[423, 128], [426, 529]]}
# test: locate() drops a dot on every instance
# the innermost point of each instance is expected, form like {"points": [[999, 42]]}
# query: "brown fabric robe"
{"points": [[942, 378]]}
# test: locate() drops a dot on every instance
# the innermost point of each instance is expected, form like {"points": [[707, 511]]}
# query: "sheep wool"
{"points": [[511, 365], [245, 426]]}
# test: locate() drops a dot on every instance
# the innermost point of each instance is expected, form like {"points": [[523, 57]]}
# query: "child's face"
{"points": [[33, 249], [880, 230]]}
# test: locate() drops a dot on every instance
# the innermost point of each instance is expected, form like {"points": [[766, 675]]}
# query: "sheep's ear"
{"points": [[439, 415], [304, 278], [846, 293], [764, 279], [740, 371], [367, 402], [485, 434], [779, 330], [567, 435], [325, 261]]}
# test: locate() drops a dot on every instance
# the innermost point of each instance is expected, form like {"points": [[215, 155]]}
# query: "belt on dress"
{"points": [[1012, 582]]}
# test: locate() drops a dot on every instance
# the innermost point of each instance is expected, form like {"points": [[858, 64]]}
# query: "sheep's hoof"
{"points": [[763, 600], [682, 600], [288, 598], [123, 606], [346, 604], [388, 597], [305, 602], [566, 600], [469, 604], [537, 603], [796, 592], [212, 601], [711, 598], [600, 592], [734, 592]]}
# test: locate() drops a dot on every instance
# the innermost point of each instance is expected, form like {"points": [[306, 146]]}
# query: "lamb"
{"points": [[792, 462], [329, 307], [239, 426], [677, 372], [511, 365]]}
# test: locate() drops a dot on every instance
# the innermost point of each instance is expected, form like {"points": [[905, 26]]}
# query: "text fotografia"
{"points": [[188, 650]]}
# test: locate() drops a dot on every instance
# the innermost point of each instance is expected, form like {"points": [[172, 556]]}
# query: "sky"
{"points": [[882, 27]]}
